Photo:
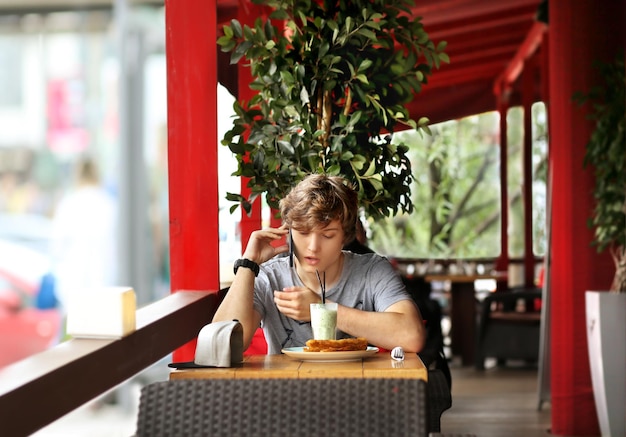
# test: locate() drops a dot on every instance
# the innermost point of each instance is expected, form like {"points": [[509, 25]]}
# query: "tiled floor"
{"points": [[111, 415], [497, 402], [99, 418]]}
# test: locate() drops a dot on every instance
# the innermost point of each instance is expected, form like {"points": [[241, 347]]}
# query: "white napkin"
{"points": [[220, 344]]}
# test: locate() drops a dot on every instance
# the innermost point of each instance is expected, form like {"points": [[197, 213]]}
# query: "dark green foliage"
{"points": [[606, 154], [330, 80]]}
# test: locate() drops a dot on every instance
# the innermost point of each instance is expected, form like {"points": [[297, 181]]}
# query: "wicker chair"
{"points": [[286, 407]]}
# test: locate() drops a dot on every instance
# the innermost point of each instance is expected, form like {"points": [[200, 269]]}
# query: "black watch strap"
{"points": [[245, 262]]}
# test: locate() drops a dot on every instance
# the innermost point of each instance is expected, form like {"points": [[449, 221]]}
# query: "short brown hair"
{"points": [[319, 199]]}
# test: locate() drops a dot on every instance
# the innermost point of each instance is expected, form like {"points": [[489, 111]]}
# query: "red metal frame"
{"points": [[579, 33], [192, 148]]}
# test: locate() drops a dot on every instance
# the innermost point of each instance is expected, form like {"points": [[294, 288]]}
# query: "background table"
{"points": [[379, 365], [463, 312]]}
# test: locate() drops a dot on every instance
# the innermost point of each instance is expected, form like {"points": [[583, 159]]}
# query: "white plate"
{"points": [[328, 357]]}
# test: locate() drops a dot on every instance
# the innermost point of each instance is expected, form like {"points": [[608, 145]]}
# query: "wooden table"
{"points": [[463, 312], [379, 365]]}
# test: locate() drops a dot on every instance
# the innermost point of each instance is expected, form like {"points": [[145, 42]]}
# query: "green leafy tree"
{"points": [[606, 154], [331, 76], [456, 203], [457, 191]]}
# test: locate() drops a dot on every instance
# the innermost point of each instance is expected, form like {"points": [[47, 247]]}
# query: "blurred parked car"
{"points": [[30, 230], [30, 322]]}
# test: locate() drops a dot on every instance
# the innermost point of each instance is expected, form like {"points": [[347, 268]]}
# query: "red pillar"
{"points": [[192, 147], [502, 263], [528, 98], [579, 32]]}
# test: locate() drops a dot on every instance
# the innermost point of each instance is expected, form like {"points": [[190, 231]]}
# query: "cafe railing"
{"points": [[41, 389]]}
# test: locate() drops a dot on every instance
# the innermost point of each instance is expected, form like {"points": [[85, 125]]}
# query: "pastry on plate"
{"points": [[345, 344]]}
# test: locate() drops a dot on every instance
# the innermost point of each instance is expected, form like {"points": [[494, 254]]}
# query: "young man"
{"points": [[321, 213]]}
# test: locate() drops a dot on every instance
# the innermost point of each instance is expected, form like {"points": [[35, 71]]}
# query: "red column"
{"points": [[579, 32], [192, 147], [502, 263], [528, 94]]}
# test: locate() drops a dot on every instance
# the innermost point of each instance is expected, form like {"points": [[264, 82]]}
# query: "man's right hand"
{"points": [[260, 249]]}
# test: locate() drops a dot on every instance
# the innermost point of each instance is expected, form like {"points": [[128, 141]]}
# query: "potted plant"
{"points": [[333, 78], [606, 312]]}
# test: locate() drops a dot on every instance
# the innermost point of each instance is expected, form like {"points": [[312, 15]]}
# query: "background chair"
{"points": [[509, 326], [302, 407], [432, 355]]}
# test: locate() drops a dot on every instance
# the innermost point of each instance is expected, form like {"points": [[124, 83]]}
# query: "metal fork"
{"points": [[397, 353]]}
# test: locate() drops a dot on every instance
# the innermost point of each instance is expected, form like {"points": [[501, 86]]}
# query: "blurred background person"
{"points": [[84, 229]]}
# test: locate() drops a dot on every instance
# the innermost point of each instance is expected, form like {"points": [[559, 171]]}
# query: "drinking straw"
{"points": [[290, 250], [322, 285]]}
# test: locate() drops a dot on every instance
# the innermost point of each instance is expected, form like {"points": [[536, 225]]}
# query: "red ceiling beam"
{"points": [[439, 11], [480, 24], [489, 52], [470, 73], [488, 37], [452, 102], [525, 51]]}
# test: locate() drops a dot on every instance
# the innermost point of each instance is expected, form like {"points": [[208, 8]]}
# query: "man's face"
{"points": [[319, 248]]}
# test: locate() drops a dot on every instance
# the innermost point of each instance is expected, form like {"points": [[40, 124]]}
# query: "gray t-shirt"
{"points": [[368, 282]]}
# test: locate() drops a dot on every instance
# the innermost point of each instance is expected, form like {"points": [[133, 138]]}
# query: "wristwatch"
{"points": [[245, 262]]}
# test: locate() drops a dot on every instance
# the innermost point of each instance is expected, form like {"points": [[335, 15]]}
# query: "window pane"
{"points": [[456, 193], [540, 172], [515, 138]]}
